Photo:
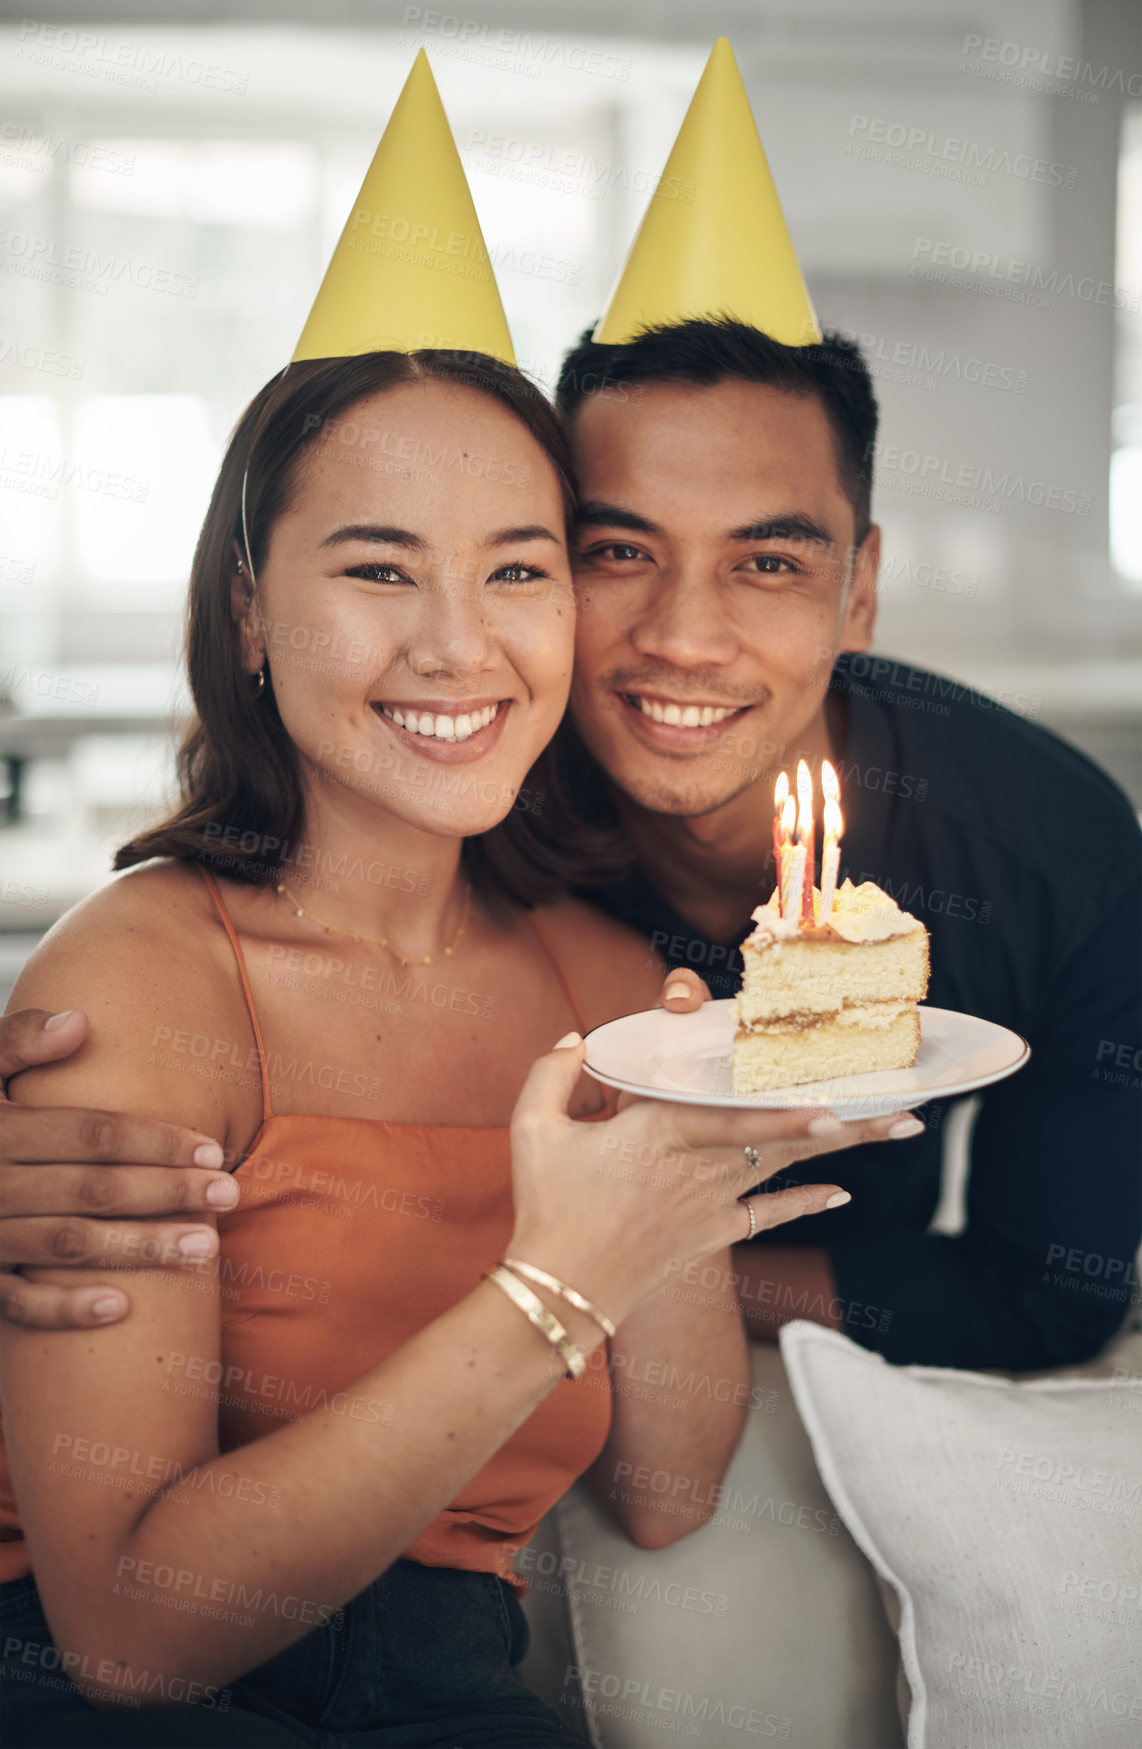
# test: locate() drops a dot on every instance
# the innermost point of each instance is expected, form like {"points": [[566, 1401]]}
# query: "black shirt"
{"points": [[1024, 862]]}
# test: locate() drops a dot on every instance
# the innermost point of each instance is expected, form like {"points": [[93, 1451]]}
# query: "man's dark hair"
{"points": [[705, 352]]}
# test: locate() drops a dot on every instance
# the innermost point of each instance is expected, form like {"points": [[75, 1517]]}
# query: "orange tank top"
{"points": [[352, 1235]]}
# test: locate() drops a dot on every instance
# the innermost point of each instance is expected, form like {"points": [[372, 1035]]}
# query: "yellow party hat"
{"points": [[714, 240], [411, 269]]}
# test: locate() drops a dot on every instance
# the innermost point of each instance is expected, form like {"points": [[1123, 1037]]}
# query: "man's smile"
{"points": [[677, 725], [683, 714]]}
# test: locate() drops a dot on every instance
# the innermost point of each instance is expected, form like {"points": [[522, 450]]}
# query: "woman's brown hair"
{"points": [[239, 778]]}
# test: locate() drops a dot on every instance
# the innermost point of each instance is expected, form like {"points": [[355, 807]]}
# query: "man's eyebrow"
{"points": [[596, 514], [796, 527], [372, 531]]}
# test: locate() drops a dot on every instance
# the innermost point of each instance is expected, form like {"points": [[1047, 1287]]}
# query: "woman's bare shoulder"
{"points": [[146, 961], [610, 966], [161, 905]]}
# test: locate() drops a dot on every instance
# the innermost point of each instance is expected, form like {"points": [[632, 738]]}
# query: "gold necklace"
{"points": [[381, 940]]}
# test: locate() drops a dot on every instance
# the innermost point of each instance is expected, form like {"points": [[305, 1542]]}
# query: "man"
{"points": [[727, 569], [726, 560]]}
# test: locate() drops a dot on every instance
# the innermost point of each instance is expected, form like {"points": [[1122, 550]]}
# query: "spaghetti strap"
{"points": [[244, 979], [545, 942]]}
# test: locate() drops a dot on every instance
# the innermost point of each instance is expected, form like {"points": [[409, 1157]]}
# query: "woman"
{"points": [[304, 1478]]}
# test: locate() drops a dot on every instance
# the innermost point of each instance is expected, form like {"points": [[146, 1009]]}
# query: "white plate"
{"points": [[686, 1058]]}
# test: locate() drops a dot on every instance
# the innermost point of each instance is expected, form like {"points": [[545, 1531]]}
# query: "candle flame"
{"points": [[780, 791], [788, 817], [830, 787], [834, 821], [805, 802]]}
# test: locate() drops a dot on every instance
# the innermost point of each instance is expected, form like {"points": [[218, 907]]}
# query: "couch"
{"points": [[768, 1623]]}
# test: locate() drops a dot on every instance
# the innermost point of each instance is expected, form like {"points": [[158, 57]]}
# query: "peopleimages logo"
{"points": [[921, 148], [1042, 70], [915, 355], [120, 63], [24, 148], [640, 1701], [88, 269], [41, 358], [474, 40], [938, 477], [984, 270]]}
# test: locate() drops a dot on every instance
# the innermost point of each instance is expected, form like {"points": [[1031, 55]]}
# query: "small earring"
{"points": [[241, 569], [260, 687]]}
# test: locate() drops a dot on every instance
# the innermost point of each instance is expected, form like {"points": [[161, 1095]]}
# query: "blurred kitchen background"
{"points": [[963, 182]]}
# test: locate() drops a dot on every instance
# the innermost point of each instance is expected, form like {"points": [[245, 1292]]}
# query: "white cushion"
{"points": [[765, 1626], [1005, 1519]]}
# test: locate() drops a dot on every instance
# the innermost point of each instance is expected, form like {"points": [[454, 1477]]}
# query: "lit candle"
{"points": [[795, 885], [780, 792], [805, 837], [831, 849], [786, 888]]}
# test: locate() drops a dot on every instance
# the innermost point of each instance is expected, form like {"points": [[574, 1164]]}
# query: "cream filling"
{"points": [[873, 1013], [861, 1014]]}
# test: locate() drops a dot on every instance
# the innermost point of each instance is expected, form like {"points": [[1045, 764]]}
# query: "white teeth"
{"points": [[690, 716], [438, 726]]}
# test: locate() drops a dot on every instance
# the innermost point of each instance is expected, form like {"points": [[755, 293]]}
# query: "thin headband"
{"points": [[245, 530]]}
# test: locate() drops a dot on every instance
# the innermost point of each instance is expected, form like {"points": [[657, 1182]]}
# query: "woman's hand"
{"points": [[613, 1207]]}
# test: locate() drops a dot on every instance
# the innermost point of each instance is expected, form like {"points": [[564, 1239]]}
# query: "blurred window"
{"points": [[1126, 460], [143, 467]]}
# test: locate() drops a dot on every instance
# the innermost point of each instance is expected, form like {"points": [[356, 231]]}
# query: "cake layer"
{"points": [[803, 976], [854, 1042]]}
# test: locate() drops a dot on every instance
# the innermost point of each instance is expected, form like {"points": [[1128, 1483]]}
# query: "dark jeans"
{"points": [[421, 1660]]}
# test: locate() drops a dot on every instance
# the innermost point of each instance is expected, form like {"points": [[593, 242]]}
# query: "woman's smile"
{"points": [[452, 733]]}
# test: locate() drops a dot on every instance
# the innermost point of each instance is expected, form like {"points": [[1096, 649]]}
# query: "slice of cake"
{"points": [[820, 1001]]}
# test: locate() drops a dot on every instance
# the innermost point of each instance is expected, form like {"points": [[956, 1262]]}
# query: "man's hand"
{"points": [[81, 1188], [683, 992]]}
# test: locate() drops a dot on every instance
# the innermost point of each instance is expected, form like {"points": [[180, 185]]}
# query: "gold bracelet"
{"points": [[569, 1294], [546, 1322]]}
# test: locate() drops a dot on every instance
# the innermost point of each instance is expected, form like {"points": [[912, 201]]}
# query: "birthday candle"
{"points": [[831, 849], [805, 837], [780, 792], [785, 886], [796, 885]]}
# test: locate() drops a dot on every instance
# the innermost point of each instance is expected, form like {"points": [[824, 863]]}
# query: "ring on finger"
{"points": [[749, 1209], [753, 1159]]}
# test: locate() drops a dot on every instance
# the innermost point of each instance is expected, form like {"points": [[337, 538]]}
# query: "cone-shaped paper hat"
{"points": [[714, 240], [411, 269]]}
